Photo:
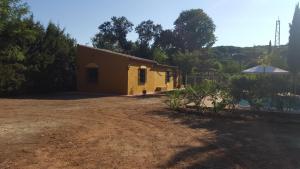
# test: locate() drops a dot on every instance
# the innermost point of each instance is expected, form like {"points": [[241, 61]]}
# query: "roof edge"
{"points": [[129, 56], [120, 54], [167, 66]]}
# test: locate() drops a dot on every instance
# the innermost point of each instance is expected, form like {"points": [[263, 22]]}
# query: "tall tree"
{"points": [[11, 10], [294, 43], [167, 41], [270, 48], [160, 56], [148, 31], [13, 33], [51, 64], [112, 35], [195, 30], [33, 58], [196, 61]]}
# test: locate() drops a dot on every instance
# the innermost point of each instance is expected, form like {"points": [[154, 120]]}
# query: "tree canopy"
{"points": [[33, 58], [195, 30], [112, 34], [148, 31], [188, 45]]}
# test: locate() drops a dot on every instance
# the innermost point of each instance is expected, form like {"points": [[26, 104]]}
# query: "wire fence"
{"points": [[221, 78], [196, 79]]}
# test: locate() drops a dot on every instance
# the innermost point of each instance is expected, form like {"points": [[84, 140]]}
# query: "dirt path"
{"points": [[80, 131]]}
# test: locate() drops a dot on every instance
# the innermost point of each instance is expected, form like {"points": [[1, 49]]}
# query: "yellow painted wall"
{"points": [[112, 72], [134, 87], [160, 78], [156, 78], [118, 74]]}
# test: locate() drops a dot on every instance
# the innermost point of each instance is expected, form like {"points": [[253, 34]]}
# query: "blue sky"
{"points": [[239, 22]]}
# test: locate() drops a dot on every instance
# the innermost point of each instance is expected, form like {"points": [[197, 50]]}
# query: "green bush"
{"points": [[226, 101], [261, 91], [175, 99], [196, 95], [287, 103]]}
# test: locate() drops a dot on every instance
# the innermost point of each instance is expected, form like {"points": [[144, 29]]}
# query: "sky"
{"points": [[238, 22]]}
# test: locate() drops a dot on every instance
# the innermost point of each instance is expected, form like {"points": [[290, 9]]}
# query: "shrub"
{"points": [[261, 91], [222, 100], [197, 94], [175, 99]]}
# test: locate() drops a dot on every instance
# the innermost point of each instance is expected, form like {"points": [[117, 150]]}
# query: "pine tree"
{"points": [[294, 43], [270, 47]]}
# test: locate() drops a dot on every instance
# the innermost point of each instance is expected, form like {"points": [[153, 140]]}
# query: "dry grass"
{"points": [[92, 131]]}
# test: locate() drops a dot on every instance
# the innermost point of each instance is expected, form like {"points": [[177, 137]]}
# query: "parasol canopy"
{"points": [[265, 69]]}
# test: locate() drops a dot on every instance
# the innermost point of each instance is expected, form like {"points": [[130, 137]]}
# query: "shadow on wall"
{"points": [[243, 140]]}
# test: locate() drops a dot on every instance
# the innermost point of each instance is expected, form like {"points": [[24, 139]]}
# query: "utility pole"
{"points": [[277, 34]]}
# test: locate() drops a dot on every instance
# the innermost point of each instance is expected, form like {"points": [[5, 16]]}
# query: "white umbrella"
{"points": [[265, 69]]}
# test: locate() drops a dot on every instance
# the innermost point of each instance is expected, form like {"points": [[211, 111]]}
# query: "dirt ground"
{"points": [[91, 131]]}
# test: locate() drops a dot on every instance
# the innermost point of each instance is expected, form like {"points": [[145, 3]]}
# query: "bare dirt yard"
{"points": [[90, 131]]}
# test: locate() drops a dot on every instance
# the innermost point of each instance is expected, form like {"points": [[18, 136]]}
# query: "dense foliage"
{"points": [[33, 58], [188, 45], [195, 30], [112, 35], [262, 92], [294, 42], [199, 96], [193, 33]]}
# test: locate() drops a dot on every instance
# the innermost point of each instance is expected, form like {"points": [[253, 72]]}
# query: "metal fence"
{"points": [[195, 79], [198, 78]]}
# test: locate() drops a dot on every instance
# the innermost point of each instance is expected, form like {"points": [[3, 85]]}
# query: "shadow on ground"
{"points": [[78, 96], [62, 96], [242, 140], [148, 96]]}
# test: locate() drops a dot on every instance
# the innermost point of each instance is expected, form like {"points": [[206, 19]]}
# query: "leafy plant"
{"points": [[222, 100], [175, 99], [262, 91], [198, 93]]}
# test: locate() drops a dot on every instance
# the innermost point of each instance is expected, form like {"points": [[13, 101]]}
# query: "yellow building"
{"points": [[104, 71]]}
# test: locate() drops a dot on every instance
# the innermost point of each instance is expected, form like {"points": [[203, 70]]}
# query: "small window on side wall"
{"points": [[168, 76], [92, 75], [142, 76]]}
